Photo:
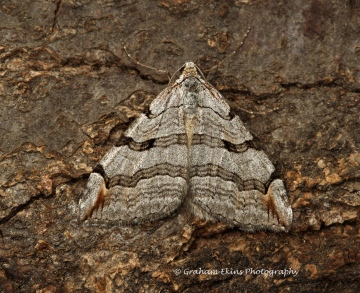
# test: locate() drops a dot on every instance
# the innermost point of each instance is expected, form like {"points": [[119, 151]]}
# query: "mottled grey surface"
{"points": [[161, 166]]}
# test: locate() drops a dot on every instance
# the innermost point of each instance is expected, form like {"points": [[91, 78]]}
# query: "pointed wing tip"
{"points": [[94, 196], [278, 204]]}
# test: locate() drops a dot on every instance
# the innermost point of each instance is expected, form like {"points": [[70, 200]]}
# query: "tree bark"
{"points": [[69, 89]]}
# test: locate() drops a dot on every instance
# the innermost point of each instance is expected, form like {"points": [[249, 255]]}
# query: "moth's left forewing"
{"points": [[145, 177]]}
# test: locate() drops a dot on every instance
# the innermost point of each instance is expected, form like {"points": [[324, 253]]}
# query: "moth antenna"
{"points": [[201, 73], [173, 76], [146, 66], [259, 112], [230, 54]]}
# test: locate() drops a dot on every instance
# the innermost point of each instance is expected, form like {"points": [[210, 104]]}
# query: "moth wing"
{"points": [[230, 181], [145, 179]]}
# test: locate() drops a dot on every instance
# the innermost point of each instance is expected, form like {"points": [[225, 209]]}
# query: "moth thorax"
{"points": [[190, 102]]}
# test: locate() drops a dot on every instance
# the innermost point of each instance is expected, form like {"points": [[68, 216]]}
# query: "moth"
{"points": [[188, 150]]}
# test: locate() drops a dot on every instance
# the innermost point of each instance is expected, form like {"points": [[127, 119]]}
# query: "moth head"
{"points": [[189, 69]]}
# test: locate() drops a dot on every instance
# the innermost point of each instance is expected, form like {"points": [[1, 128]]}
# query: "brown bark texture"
{"points": [[68, 90]]}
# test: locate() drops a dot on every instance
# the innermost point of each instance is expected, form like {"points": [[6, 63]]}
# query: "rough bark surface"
{"points": [[68, 90]]}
